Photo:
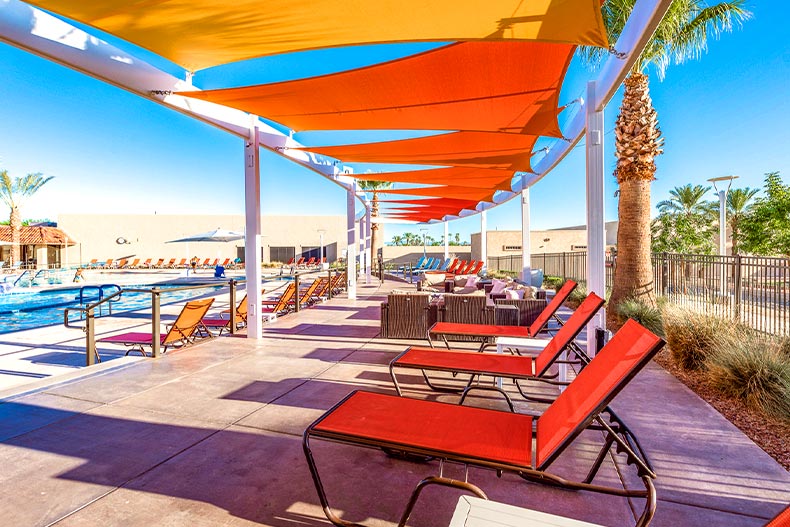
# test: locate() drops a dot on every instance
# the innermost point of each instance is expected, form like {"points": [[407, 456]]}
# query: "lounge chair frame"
{"points": [[597, 417], [586, 311]]}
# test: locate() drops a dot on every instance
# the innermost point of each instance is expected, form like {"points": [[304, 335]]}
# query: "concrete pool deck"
{"points": [[32, 357], [212, 435]]}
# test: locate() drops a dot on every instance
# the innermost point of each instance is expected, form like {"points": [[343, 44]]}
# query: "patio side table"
{"points": [[485, 513]]}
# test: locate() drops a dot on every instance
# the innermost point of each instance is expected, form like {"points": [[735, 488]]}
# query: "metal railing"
{"points": [[752, 290], [88, 314]]}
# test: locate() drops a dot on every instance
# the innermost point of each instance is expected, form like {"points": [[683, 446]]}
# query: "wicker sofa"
{"points": [[407, 315]]}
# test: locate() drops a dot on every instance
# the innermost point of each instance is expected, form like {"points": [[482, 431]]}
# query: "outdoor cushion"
{"points": [[515, 294], [498, 286], [471, 281]]}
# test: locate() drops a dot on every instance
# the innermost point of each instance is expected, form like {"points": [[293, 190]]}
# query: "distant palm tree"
{"points": [[681, 35], [377, 229], [738, 205], [687, 200], [13, 192]]}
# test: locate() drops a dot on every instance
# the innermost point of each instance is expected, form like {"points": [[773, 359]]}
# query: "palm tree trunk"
{"points": [[377, 229], [637, 142], [15, 221]]}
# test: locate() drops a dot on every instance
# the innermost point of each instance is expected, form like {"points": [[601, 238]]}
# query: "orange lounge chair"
{"points": [[180, 334], [146, 263], [206, 263], [180, 265], [514, 367], [134, 264], [108, 264], [121, 263], [486, 331], [306, 295], [226, 263], [523, 445], [281, 305], [223, 323], [160, 263]]}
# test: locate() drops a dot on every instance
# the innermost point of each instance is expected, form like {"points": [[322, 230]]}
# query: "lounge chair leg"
{"points": [[438, 480], [436, 388], [330, 514], [599, 459], [650, 507], [489, 388], [395, 380]]}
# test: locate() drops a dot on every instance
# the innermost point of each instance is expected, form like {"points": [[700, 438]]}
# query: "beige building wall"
{"points": [[145, 236], [508, 243]]}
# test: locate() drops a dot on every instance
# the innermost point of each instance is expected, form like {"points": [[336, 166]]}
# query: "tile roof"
{"points": [[35, 235]]}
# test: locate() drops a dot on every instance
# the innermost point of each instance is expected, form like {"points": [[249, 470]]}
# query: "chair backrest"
{"points": [[543, 319], [122, 262], [468, 267], [444, 265], [436, 263], [188, 320], [301, 261], [593, 389], [780, 520], [460, 267], [310, 291], [206, 262], [419, 263], [452, 266], [285, 298], [569, 331], [135, 262], [322, 287], [160, 262], [243, 308], [172, 262], [290, 261], [476, 269]]}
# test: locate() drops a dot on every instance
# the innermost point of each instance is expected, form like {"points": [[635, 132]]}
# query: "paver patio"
{"points": [[211, 435]]}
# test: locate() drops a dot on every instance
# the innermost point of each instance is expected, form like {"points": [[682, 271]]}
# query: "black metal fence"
{"points": [[754, 290]]}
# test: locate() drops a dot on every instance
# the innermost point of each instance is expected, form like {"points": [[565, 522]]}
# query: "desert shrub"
{"points": [[577, 295], [502, 274], [692, 336], [784, 347], [649, 316], [553, 282], [752, 368]]}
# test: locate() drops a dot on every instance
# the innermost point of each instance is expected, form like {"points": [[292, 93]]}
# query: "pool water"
{"points": [[27, 310]]}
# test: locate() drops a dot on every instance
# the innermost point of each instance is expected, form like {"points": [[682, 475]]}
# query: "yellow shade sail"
{"points": [[198, 34]]}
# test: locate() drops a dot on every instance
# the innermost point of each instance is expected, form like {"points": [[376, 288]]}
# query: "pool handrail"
{"points": [[92, 353]]}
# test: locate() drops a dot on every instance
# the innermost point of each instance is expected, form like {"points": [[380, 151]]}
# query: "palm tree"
{"points": [[681, 35], [13, 192], [377, 229], [738, 207], [687, 200]]}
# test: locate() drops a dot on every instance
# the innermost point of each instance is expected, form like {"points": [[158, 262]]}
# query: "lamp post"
{"points": [[723, 226], [323, 265], [424, 233]]}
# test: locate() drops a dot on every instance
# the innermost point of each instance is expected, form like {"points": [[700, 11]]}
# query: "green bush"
{"points": [[502, 274], [649, 316], [553, 282], [692, 336], [577, 296], [752, 368]]}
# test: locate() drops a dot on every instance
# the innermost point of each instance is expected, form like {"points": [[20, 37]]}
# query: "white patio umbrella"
{"points": [[217, 235]]}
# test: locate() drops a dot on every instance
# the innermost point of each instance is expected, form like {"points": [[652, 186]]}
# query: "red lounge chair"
{"points": [[181, 333], [509, 366], [502, 441], [310, 262], [476, 269], [465, 270], [781, 520], [451, 269], [484, 331]]}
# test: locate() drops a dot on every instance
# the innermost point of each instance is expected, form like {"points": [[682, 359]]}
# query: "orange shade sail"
{"points": [[201, 33], [473, 149], [479, 194], [470, 86], [457, 176]]}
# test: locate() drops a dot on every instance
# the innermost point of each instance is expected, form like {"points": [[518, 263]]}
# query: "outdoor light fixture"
{"points": [[122, 241], [424, 233], [723, 225]]}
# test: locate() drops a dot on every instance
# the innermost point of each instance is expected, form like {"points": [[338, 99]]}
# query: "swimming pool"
{"points": [[32, 309]]}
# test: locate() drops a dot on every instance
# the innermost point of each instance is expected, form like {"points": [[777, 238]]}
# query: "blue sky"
{"points": [[111, 151]]}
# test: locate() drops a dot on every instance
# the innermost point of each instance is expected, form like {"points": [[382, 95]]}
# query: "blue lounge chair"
{"points": [[445, 265]]}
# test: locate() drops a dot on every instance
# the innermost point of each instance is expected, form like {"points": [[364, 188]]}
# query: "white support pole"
{"points": [[484, 240], [361, 242], [446, 241], [351, 245], [368, 240], [252, 241], [526, 247], [596, 238], [723, 289]]}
